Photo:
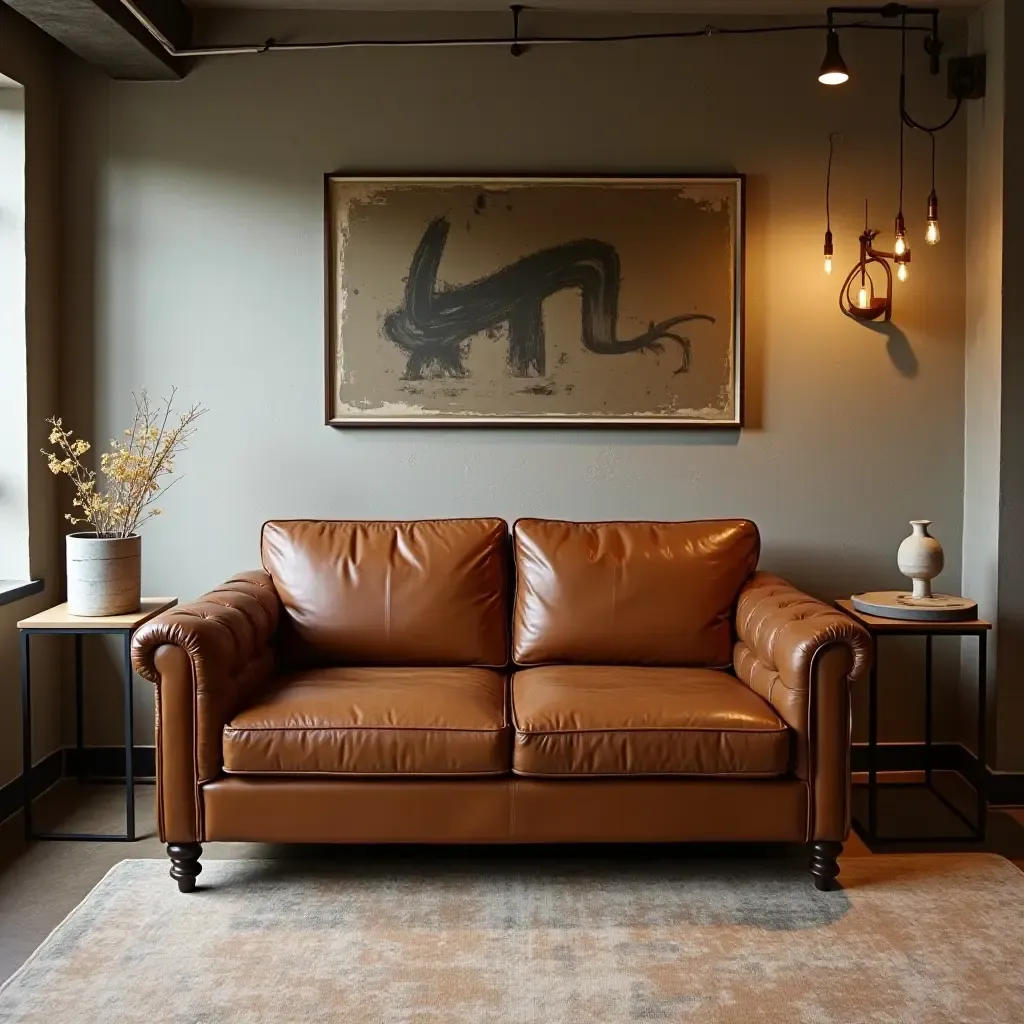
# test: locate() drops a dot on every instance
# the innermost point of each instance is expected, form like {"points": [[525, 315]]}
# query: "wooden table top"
{"points": [[59, 617], [876, 624]]}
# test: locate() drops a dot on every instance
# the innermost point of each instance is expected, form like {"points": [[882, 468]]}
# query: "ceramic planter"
{"points": [[104, 574], [920, 557]]}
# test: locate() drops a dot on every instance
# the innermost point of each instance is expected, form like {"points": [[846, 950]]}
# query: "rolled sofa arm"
{"points": [[801, 655], [207, 658]]}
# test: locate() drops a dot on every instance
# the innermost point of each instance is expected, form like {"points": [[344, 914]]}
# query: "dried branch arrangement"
{"points": [[132, 474]]}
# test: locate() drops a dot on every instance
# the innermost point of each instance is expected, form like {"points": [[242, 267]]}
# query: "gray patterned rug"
{"points": [[917, 939]]}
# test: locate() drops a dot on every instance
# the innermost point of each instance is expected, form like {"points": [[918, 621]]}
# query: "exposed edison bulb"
{"points": [[931, 236], [901, 273], [901, 245], [863, 298], [828, 264]]}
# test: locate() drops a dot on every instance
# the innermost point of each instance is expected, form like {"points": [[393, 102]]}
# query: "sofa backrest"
{"points": [[630, 592], [392, 593]]}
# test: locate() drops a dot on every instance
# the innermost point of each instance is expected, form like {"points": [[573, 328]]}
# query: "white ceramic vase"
{"points": [[104, 574], [920, 557]]}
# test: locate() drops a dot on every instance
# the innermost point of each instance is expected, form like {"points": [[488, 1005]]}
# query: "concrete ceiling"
{"points": [[722, 7], [105, 34]]}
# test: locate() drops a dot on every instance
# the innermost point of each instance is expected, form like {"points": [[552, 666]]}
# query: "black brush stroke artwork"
{"points": [[433, 324]]}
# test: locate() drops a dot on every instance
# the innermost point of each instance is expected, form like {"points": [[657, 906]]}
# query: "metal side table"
{"points": [[879, 627], [60, 622]]}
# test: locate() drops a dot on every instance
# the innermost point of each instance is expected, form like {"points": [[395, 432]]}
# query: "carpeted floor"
{"points": [[909, 939]]}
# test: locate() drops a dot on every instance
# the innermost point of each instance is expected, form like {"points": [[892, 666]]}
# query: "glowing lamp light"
{"points": [[931, 235], [833, 67]]}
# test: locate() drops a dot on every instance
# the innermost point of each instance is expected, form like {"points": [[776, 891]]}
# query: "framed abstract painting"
{"points": [[528, 300]]}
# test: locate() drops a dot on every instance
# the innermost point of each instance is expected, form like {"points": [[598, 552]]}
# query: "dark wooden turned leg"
{"points": [[824, 868], [185, 866]]}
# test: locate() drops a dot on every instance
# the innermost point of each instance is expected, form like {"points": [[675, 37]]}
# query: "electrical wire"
{"points": [[911, 123], [273, 45], [904, 113], [903, 126], [828, 181]]}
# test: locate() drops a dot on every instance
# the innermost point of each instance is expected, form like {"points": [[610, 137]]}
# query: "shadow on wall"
{"points": [[897, 345]]}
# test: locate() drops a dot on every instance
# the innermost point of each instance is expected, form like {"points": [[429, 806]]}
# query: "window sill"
{"points": [[15, 590]]}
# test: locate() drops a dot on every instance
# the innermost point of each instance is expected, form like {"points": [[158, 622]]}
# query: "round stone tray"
{"points": [[899, 604]]}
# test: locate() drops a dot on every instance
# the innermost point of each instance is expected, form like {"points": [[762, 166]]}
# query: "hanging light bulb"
{"points": [[864, 296], [902, 273], [828, 252], [833, 67], [900, 248], [931, 235]]}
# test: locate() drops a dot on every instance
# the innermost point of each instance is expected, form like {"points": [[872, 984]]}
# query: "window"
{"points": [[14, 562]]}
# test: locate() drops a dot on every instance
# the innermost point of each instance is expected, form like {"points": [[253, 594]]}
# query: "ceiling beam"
{"points": [[107, 35]]}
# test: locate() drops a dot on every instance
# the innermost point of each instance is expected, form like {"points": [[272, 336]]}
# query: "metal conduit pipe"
{"points": [[514, 42]]}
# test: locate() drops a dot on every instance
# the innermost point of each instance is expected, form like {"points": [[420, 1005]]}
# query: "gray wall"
{"points": [[1010, 708], [195, 258], [993, 556], [31, 58], [983, 363]]}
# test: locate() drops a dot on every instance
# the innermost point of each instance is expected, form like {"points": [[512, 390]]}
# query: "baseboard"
{"points": [[108, 763], [42, 777], [1004, 789], [97, 763]]}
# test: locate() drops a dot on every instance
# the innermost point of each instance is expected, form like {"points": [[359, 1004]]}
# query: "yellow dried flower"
{"points": [[133, 472]]}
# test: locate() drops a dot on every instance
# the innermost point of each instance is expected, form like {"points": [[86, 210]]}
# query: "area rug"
{"points": [[920, 939]]}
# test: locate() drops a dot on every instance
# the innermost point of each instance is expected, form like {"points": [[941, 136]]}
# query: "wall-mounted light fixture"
{"points": [[966, 81], [868, 305]]}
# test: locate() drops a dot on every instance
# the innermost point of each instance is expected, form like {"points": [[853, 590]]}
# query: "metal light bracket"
{"points": [[516, 49]]}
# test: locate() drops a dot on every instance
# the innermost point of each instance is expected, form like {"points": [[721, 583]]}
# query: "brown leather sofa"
{"points": [[429, 682]]}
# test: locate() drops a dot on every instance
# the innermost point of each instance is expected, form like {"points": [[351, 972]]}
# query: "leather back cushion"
{"points": [[391, 593], [629, 593]]}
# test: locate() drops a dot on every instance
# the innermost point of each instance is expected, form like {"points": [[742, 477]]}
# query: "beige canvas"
{"points": [[534, 300]]}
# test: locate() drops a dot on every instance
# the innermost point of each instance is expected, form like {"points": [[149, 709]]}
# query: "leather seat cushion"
{"points": [[587, 720], [375, 721]]}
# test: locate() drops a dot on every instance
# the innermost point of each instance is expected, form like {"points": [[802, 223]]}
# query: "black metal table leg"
{"points": [[129, 739], [928, 710], [976, 827], [974, 824], [873, 750], [129, 716], [26, 735], [79, 710], [981, 782]]}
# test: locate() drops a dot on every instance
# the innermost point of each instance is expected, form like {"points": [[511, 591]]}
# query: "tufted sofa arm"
{"points": [[207, 659], [801, 655]]}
